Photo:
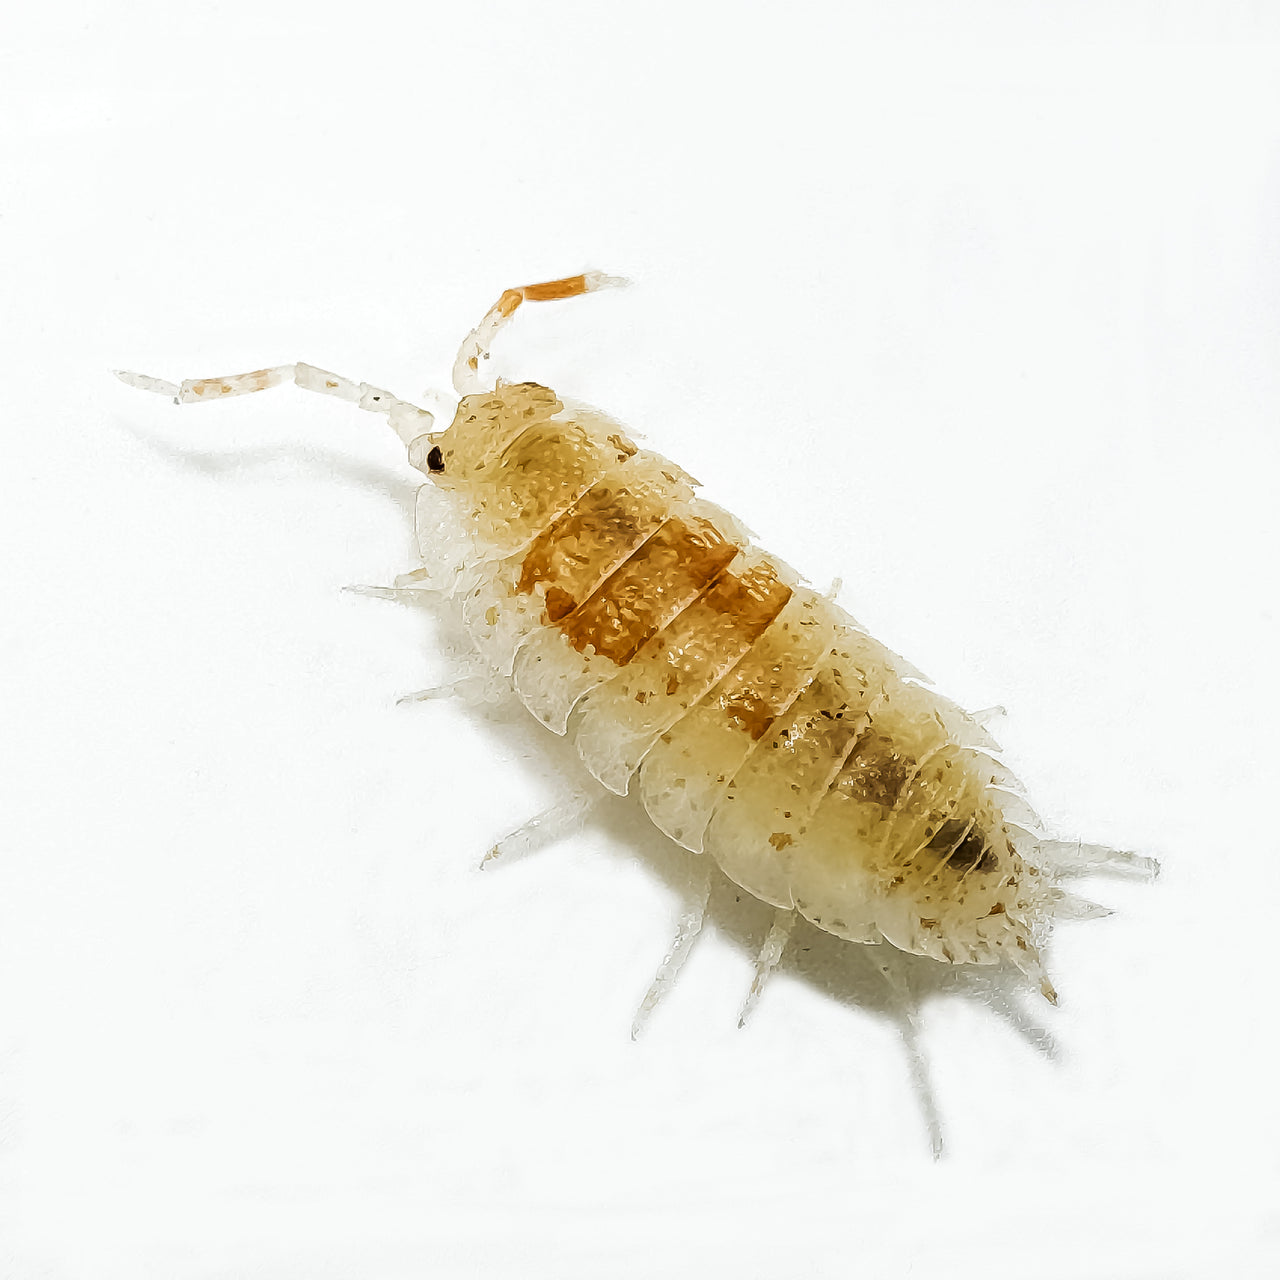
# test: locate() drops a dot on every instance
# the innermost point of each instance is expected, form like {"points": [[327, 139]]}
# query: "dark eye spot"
{"points": [[435, 459]]}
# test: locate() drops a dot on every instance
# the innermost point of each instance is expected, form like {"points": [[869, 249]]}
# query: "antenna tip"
{"points": [[144, 382], [598, 280]]}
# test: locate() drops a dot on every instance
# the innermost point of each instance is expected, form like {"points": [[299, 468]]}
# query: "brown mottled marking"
{"points": [[241, 384], [751, 712], [486, 423], [606, 516], [754, 598], [634, 602], [782, 783], [874, 772], [973, 852], [750, 696], [816, 744], [729, 617], [675, 669], [963, 846], [948, 835], [543, 472], [559, 603]]}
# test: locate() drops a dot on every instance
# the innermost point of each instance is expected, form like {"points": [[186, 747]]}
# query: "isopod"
{"points": [[761, 727]]}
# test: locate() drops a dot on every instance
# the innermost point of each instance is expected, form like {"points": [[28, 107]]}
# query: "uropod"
{"points": [[759, 725]]}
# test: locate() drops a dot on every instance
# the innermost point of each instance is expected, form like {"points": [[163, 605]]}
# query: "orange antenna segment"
{"points": [[475, 346]]}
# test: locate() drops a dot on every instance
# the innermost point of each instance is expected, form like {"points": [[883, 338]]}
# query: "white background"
{"points": [[981, 312]]}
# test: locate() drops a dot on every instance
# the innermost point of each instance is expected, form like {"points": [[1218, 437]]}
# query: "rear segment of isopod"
{"points": [[910, 832]]}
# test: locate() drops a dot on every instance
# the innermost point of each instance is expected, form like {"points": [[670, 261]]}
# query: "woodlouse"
{"points": [[761, 726]]}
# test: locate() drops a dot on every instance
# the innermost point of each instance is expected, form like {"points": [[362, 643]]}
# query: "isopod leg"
{"points": [[690, 925], [475, 683], [473, 688], [891, 966], [474, 351], [413, 587], [770, 953], [1073, 858], [408, 420], [1070, 906], [551, 824]]}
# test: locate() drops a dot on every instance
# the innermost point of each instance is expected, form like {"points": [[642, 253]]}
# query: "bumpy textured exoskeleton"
{"points": [[761, 726]]}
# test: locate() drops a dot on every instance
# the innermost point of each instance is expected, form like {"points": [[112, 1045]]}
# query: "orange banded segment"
{"points": [[663, 575], [554, 290], [548, 291], [621, 719], [573, 552]]}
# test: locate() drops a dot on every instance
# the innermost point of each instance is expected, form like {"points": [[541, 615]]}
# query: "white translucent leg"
{"points": [[560, 820], [408, 588], [467, 378], [1073, 858], [770, 953], [418, 586], [408, 420], [891, 965], [1070, 906], [687, 930], [403, 595], [1030, 965], [474, 689]]}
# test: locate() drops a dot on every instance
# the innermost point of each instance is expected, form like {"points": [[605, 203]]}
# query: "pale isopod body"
{"points": [[760, 725]]}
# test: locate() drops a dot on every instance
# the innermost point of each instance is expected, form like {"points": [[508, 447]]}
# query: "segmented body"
{"points": [[760, 724]]}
